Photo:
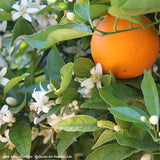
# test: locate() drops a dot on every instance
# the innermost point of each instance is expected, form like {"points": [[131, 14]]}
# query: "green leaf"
{"points": [[95, 102], [117, 94], [66, 139], [150, 93], [97, 9], [5, 16], [66, 77], [54, 64], [82, 9], [82, 67], [20, 136], [130, 114], [81, 123], [106, 124], [106, 136], [69, 95], [136, 7], [12, 83], [107, 79], [5, 4], [117, 12], [53, 110], [22, 27], [19, 108], [108, 151], [57, 33], [143, 141]]}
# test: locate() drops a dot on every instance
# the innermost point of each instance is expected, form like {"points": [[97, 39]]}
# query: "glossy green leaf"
{"points": [[82, 67], [150, 93], [95, 102], [53, 110], [19, 108], [66, 139], [56, 33], [20, 136], [54, 64], [5, 4], [22, 27], [117, 94], [130, 114], [69, 95], [12, 83], [106, 136], [81, 123], [137, 138], [117, 12], [97, 9], [66, 77], [107, 79], [82, 9], [136, 7], [106, 124], [108, 151]]}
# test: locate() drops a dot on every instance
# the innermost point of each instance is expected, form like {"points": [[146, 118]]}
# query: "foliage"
{"points": [[55, 101]]}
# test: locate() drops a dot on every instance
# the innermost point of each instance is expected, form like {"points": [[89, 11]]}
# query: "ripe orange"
{"points": [[125, 54]]}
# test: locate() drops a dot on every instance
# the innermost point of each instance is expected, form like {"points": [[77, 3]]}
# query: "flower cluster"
{"points": [[87, 84]]}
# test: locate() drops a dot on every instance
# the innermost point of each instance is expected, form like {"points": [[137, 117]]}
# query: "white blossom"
{"points": [[6, 139], [22, 10], [117, 128], [3, 80], [6, 116], [143, 119], [64, 114], [47, 133], [40, 100], [154, 119], [78, 49], [11, 101], [70, 16], [146, 156], [3, 27], [45, 20]]}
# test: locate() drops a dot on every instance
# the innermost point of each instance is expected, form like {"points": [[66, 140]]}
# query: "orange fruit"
{"points": [[126, 54]]}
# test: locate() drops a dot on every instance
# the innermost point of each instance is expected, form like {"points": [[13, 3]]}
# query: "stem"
{"points": [[106, 33], [115, 24], [155, 16], [130, 25]]}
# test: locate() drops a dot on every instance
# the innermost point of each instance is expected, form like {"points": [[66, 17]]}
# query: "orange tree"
{"points": [[79, 79]]}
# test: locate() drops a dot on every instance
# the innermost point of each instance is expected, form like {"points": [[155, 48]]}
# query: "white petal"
{"points": [[93, 71], [87, 83], [24, 2], [16, 7], [40, 85], [4, 109], [15, 16], [99, 85], [52, 21], [4, 81], [4, 26], [3, 139], [3, 71], [27, 17], [43, 23], [45, 109], [32, 10], [99, 69]]}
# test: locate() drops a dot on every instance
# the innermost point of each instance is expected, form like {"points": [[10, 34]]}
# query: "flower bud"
{"points": [[11, 101], [58, 100], [154, 119], [96, 22], [146, 156], [117, 128], [75, 103], [143, 119], [70, 16]]}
